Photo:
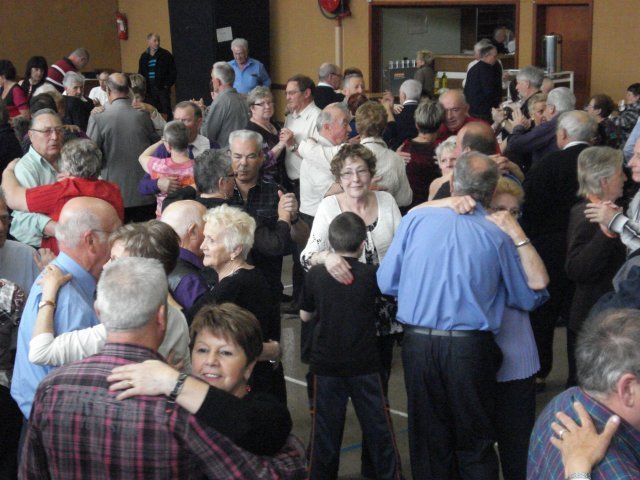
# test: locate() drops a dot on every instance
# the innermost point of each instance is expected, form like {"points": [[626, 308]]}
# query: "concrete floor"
{"points": [[295, 373]]}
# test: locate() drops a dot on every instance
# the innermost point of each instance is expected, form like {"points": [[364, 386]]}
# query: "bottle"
{"points": [[445, 80], [436, 84]]}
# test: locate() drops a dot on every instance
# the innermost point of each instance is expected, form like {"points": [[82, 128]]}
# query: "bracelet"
{"points": [[171, 401], [46, 303], [582, 475], [524, 242]]}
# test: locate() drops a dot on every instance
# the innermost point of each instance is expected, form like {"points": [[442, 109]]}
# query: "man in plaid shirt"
{"points": [[608, 360], [78, 429]]}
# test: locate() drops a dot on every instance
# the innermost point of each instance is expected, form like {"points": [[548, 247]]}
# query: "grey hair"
{"points": [[412, 89], [327, 69], [81, 158], [44, 88], [531, 74], [475, 174], [258, 93], [345, 80], [578, 124], [137, 81], [209, 167], [44, 111], [325, 117], [486, 50], [479, 45], [224, 72], [71, 231], [129, 293], [606, 349], [175, 133], [596, 164], [447, 146], [237, 227], [562, 98], [428, 116], [240, 42], [72, 78], [81, 52], [246, 135]]}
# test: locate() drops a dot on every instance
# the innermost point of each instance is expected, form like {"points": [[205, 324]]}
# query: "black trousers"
{"points": [[515, 417], [451, 387], [160, 97], [10, 425]]}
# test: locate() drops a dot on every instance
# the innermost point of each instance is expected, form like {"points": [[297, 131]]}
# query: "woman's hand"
{"points": [[508, 224], [151, 377], [602, 212], [51, 280], [338, 268], [581, 447]]}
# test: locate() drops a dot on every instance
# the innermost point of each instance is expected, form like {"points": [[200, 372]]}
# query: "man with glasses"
{"points": [[456, 114], [329, 79], [38, 167], [83, 236], [301, 120]]}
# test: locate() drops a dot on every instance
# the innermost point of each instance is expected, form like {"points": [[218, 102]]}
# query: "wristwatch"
{"points": [[581, 475]]}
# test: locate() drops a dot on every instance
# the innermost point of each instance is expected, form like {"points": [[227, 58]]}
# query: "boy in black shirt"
{"points": [[344, 358]]}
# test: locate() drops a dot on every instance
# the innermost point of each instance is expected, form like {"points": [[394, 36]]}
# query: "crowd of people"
{"points": [[141, 259]]}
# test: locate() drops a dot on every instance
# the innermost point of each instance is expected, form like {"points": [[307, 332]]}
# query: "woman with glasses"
{"points": [[353, 167], [594, 254], [275, 139]]}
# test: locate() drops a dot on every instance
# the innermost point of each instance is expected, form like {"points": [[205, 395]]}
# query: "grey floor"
{"points": [[295, 373]]}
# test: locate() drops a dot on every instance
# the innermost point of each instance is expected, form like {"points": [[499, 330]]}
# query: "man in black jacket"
{"points": [[330, 77], [483, 87], [157, 66]]}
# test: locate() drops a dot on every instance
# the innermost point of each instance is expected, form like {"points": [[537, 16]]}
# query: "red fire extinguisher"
{"points": [[121, 23]]}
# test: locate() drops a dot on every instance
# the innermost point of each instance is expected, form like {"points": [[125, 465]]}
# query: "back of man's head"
{"points": [[578, 124], [347, 232], [129, 293], [42, 101], [224, 72], [182, 215], [81, 215], [118, 84], [327, 69], [562, 99], [475, 174], [607, 348], [479, 137], [211, 166], [411, 89]]}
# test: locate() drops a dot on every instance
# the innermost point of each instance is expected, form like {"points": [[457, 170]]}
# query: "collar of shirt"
{"points": [[373, 141], [325, 84], [410, 102], [40, 159], [306, 111], [191, 257], [573, 144], [83, 279], [129, 351]]}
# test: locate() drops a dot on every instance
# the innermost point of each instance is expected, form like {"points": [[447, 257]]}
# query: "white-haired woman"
{"points": [[446, 157], [594, 254], [228, 237]]}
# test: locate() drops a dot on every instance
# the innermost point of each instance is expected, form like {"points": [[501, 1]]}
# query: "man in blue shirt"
{"points": [[453, 276], [249, 72], [608, 361], [83, 237]]}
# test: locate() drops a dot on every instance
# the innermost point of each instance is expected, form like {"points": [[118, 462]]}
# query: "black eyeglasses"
{"points": [[49, 131]]}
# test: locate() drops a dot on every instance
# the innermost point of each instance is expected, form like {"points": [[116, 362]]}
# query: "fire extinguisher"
{"points": [[121, 24]]}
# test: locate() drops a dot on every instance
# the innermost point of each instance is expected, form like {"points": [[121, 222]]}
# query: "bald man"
{"points": [[456, 114], [83, 237], [187, 282], [123, 133]]}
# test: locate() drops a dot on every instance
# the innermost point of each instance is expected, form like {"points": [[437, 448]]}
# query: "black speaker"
{"points": [[194, 37]]}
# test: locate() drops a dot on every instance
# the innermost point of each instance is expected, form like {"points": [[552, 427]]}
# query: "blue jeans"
{"points": [[328, 409]]}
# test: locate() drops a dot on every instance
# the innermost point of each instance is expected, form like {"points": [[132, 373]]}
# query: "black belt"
{"points": [[446, 333]]}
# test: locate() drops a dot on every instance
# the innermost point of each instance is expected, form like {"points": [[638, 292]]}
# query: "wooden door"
{"points": [[574, 23]]}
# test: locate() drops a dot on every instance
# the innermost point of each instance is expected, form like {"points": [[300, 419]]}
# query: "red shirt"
{"points": [[49, 199], [444, 132]]}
